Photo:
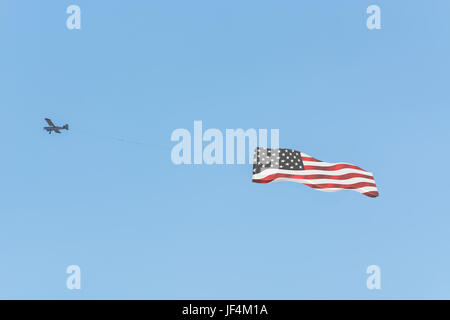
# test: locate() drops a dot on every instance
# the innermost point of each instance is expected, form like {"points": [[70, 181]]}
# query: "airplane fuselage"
{"points": [[56, 129], [51, 127]]}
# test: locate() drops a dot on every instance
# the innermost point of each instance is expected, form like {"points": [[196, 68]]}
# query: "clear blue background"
{"points": [[106, 196]]}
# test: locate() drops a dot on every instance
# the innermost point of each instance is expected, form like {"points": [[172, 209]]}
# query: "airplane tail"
{"points": [[66, 127]]}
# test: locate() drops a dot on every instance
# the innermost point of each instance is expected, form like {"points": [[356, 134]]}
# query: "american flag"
{"points": [[291, 165]]}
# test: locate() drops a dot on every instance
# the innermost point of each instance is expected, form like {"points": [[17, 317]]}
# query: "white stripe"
{"points": [[361, 190], [339, 172], [367, 189], [305, 155]]}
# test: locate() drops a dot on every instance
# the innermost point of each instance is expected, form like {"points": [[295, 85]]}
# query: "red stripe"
{"points": [[261, 181], [310, 159], [316, 176], [372, 194], [334, 167], [341, 186]]}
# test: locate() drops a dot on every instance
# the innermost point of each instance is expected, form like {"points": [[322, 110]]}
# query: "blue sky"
{"points": [[106, 196]]}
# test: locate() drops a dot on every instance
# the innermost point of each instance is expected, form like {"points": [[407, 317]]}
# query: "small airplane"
{"points": [[52, 127]]}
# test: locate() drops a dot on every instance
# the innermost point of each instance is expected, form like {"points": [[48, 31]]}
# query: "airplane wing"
{"points": [[57, 131], [50, 123]]}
